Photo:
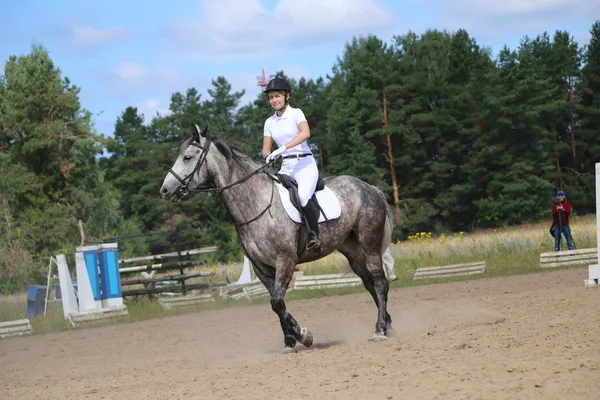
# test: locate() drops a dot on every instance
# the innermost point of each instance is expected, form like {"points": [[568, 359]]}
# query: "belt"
{"points": [[297, 156]]}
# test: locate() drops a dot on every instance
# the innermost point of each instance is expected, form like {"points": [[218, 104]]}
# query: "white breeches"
{"points": [[305, 172]]}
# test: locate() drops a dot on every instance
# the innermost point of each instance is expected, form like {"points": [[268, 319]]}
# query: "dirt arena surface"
{"points": [[521, 337]]}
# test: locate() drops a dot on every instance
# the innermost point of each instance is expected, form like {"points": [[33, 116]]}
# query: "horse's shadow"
{"points": [[315, 346], [323, 345]]}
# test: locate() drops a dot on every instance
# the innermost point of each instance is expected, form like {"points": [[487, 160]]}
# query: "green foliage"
{"points": [[15, 263]]}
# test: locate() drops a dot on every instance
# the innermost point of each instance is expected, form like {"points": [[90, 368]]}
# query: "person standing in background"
{"points": [[561, 209]]}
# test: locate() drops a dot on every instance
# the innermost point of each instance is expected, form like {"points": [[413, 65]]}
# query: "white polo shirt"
{"points": [[285, 128]]}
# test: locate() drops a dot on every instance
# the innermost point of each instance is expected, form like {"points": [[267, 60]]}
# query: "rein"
{"points": [[185, 190]]}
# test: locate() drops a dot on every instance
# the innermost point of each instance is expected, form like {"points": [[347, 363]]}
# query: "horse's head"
{"points": [[189, 171]]}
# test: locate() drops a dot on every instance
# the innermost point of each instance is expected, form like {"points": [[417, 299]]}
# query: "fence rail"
{"points": [[299, 282], [159, 257], [15, 328], [177, 283], [565, 258], [179, 301], [465, 269]]}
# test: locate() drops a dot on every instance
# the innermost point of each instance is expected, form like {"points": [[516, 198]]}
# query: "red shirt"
{"points": [[564, 213]]}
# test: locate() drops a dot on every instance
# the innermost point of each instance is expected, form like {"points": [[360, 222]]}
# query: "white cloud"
{"points": [[505, 7], [129, 76], [130, 72], [246, 28], [86, 35], [497, 21], [150, 88], [150, 108]]}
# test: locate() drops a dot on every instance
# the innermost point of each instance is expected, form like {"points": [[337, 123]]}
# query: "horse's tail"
{"points": [[389, 223]]}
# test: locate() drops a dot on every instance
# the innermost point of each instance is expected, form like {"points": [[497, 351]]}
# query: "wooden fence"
{"points": [[15, 328], [100, 315], [473, 268], [565, 258], [299, 282], [149, 284], [178, 301]]}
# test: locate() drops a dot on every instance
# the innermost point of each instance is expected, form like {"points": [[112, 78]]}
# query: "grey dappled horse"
{"points": [[269, 238]]}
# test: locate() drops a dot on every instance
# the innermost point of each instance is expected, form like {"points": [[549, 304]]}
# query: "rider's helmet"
{"points": [[279, 84]]}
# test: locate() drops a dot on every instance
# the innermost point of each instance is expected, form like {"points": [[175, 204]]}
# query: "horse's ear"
{"points": [[198, 133]]}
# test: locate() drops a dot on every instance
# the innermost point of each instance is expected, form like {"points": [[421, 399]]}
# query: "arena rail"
{"points": [[168, 303], [15, 328], [170, 284], [175, 254], [79, 318], [299, 282], [566, 258], [465, 269]]}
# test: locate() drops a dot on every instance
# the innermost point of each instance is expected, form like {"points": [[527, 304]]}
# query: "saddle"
{"points": [[292, 186], [327, 205]]}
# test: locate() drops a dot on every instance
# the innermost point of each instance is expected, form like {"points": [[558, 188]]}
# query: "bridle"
{"points": [[185, 190]]}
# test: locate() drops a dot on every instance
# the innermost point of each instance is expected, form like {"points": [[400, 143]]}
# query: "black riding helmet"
{"points": [[278, 84]]}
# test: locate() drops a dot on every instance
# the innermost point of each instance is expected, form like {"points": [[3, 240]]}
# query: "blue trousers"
{"points": [[565, 230]]}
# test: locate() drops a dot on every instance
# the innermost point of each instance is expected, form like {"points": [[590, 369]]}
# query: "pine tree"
{"points": [[587, 124]]}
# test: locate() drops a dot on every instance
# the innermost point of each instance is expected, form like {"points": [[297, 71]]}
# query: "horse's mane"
{"points": [[231, 153]]}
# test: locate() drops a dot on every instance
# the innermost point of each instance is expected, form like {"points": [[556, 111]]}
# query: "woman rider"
{"points": [[289, 129]]}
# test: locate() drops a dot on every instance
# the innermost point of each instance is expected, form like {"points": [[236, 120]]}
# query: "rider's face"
{"points": [[277, 99]]}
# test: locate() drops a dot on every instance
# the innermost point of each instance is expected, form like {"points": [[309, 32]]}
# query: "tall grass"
{"points": [[507, 251]]}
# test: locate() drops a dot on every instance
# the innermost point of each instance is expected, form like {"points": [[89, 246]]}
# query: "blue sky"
{"points": [[133, 52]]}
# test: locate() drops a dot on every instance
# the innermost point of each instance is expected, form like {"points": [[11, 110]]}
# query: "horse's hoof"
{"points": [[306, 337], [378, 337], [289, 350]]}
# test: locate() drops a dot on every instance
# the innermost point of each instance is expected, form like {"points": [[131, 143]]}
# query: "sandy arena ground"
{"points": [[521, 337]]}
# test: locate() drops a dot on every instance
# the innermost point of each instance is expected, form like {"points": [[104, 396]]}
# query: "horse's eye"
{"points": [[187, 158]]}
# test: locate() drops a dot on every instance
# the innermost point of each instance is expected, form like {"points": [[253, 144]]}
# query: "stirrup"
{"points": [[314, 244]]}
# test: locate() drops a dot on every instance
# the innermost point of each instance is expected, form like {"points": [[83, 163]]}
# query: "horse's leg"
{"points": [[375, 266], [266, 275], [374, 281], [292, 333]]}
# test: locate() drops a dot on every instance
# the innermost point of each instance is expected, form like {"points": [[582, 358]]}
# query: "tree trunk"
{"points": [[390, 158], [81, 233]]}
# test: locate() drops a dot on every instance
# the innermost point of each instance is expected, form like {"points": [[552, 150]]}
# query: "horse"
{"points": [[269, 238]]}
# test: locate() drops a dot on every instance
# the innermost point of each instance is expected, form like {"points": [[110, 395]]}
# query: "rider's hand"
{"points": [[275, 154]]}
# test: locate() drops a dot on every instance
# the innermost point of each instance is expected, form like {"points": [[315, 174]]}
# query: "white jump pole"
{"points": [[594, 270], [68, 295]]}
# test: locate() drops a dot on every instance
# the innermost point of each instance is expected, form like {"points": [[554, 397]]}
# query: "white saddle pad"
{"points": [[326, 198]]}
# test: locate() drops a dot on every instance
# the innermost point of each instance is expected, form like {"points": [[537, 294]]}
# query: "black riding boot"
{"points": [[311, 212]]}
